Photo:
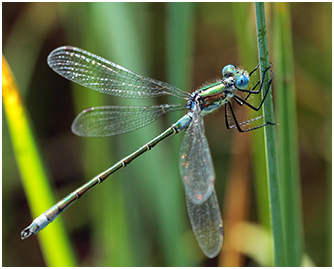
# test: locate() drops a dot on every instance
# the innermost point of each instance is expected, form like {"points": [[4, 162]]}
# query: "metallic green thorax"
{"points": [[213, 96]]}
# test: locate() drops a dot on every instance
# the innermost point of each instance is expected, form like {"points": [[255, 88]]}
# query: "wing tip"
{"points": [[213, 251], [58, 51]]}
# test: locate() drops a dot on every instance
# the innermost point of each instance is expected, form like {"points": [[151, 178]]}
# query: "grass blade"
{"points": [[287, 135], [131, 48], [53, 241], [246, 42], [106, 217], [270, 142], [243, 14]]}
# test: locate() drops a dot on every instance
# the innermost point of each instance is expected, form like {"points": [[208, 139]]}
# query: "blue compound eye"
{"points": [[228, 70], [242, 82]]}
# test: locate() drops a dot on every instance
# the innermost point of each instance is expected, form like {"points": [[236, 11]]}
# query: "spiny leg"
{"points": [[249, 94], [238, 125], [256, 68]]}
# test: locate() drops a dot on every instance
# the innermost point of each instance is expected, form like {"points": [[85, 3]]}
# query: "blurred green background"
{"points": [[138, 216]]}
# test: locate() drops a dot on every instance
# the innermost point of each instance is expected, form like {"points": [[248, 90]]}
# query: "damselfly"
{"points": [[196, 165]]}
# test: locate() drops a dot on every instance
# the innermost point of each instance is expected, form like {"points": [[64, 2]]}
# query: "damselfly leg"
{"points": [[239, 124], [239, 100], [260, 82]]}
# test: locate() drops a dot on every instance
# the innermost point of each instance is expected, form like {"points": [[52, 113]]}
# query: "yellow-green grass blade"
{"points": [[54, 242]]}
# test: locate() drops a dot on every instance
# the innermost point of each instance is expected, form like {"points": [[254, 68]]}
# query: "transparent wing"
{"points": [[114, 120], [101, 75], [196, 166], [207, 224]]}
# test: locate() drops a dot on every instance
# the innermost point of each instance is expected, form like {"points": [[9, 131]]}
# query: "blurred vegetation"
{"points": [[138, 217]]}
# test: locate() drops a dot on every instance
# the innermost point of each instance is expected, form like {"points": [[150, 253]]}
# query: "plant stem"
{"points": [[288, 135], [270, 142], [247, 55]]}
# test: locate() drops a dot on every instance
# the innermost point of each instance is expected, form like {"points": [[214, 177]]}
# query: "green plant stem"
{"points": [[270, 140], [247, 55], [287, 135]]}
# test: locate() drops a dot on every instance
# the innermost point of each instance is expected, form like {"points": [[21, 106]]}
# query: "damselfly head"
{"points": [[237, 77]]}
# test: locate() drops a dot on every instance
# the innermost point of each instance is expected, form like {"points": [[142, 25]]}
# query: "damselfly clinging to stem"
{"points": [[196, 165]]}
